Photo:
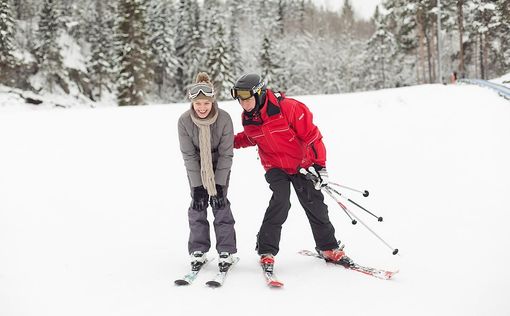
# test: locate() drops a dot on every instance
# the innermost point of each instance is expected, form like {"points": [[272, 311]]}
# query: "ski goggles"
{"points": [[198, 88], [241, 94], [245, 94]]}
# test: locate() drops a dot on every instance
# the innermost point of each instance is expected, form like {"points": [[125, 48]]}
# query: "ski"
{"points": [[351, 265], [220, 277], [192, 275], [267, 265]]}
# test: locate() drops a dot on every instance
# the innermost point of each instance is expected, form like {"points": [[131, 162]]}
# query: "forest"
{"points": [[148, 51]]}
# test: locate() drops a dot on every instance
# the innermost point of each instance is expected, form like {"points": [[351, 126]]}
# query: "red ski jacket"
{"points": [[285, 135]]}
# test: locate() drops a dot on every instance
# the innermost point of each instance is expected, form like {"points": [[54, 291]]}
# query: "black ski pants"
{"points": [[268, 238]]}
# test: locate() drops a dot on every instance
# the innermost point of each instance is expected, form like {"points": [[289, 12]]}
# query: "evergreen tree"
{"points": [[219, 64], [504, 36], [99, 63], [267, 61], [280, 19], [484, 23], [48, 51], [188, 41], [8, 62], [381, 52], [162, 46], [234, 39], [135, 58], [347, 17]]}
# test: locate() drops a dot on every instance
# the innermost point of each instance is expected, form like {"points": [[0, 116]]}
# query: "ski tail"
{"points": [[267, 264], [189, 277], [220, 277]]}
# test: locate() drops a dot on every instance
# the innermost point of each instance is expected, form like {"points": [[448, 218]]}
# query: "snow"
{"points": [[93, 210], [504, 80], [71, 52]]}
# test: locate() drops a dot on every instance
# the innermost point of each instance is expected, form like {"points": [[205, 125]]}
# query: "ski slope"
{"points": [[93, 211]]}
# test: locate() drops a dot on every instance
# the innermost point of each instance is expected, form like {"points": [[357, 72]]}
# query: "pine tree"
{"points": [[135, 71], [381, 52], [483, 24], [48, 51], [188, 41], [504, 34], [219, 65], [8, 62], [347, 16], [162, 46], [267, 60], [234, 39], [99, 63], [280, 18]]}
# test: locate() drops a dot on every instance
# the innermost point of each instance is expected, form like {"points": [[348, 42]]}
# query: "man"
{"points": [[287, 140]]}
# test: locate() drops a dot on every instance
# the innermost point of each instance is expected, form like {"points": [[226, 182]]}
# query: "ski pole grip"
{"points": [[307, 174]]}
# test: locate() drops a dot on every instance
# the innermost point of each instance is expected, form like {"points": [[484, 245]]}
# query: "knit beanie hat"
{"points": [[202, 88]]}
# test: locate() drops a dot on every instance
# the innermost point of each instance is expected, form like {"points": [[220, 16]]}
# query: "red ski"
{"points": [[347, 263]]}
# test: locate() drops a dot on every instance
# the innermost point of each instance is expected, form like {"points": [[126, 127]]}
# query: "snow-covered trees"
{"points": [[101, 58], [7, 59], [48, 51], [135, 56], [162, 45], [381, 55], [151, 50]]}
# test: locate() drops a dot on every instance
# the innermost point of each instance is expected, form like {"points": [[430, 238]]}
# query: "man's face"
{"points": [[248, 104]]}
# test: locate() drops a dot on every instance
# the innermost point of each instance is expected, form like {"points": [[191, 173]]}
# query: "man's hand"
{"points": [[317, 174]]}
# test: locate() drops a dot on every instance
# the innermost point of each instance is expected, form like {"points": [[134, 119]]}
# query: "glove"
{"points": [[200, 197], [218, 201], [320, 178]]}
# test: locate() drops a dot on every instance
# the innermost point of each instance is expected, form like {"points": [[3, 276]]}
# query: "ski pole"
{"points": [[379, 218], [310, 176], [394, 250], [364, 192], [313, 178], [353, 221]]}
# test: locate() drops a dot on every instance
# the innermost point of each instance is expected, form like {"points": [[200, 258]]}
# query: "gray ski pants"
{"points": [[199, 237]]}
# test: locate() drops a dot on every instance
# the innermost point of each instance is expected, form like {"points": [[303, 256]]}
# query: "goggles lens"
{"points": [[196, 89], [241, 94]]}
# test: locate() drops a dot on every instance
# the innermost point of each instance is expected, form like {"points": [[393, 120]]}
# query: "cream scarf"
{"points": [[204, 142]]}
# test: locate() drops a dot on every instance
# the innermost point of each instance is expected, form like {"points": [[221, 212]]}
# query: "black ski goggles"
{"points": [[198, 88]]}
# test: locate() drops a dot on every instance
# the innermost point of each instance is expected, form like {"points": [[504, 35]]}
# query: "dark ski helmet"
{"points": [[248, 85]]}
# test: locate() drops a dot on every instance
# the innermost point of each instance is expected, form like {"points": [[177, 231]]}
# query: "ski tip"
{"points": [[390, 274], [275, 284], [181, 282], [213, 284]]}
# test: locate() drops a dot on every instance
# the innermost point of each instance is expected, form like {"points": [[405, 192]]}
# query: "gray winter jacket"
{"points": [[222, 146]]}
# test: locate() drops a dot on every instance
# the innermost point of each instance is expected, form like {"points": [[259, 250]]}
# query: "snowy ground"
{"points": [[93, 214], [504, 80]]}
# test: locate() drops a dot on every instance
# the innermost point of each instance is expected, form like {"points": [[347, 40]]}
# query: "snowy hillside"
{"points": [[93, 211], [504, 80]]}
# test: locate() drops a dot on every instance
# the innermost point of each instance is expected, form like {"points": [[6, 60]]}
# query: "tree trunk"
{"points": [[421, 49], [460, 20], [481, 49], [486, 55], [429, 57]]}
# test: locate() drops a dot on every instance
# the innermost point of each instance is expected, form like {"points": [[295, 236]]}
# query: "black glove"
{"points": [[218, 201], [200, 198]]}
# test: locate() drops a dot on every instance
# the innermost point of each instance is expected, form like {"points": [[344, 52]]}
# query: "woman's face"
{"points": [[202, 107]]}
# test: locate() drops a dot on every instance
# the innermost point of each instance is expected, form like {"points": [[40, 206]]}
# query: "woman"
{"points": [[206, 138]]}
